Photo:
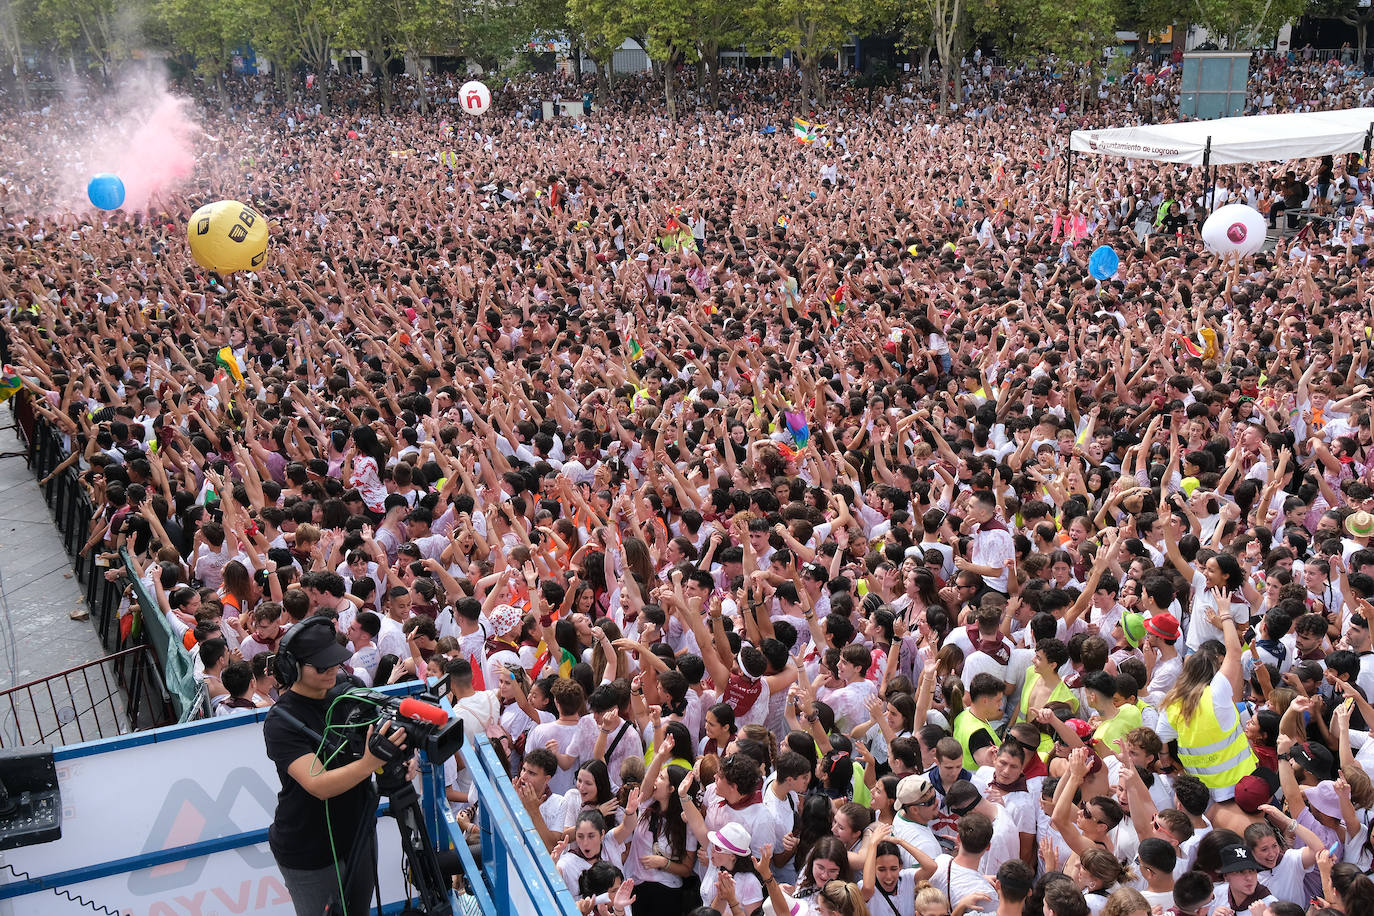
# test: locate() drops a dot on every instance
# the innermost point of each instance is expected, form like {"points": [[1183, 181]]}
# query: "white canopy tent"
{"points": [[1232, 141]]}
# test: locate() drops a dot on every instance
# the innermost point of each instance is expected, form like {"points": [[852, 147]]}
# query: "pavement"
{"points": [[38, 593]]}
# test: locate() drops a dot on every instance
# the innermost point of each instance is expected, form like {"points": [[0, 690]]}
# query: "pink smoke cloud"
{"points": [[159, 155]]}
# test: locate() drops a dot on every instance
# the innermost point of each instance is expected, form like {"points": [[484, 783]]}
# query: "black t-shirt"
{"points": [[298, 836]]}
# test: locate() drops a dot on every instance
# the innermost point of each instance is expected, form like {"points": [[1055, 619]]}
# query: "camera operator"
{"points": [[325, 797]]}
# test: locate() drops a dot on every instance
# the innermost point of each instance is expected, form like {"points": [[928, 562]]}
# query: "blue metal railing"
{"points": [[512, 873], [510, 843]]}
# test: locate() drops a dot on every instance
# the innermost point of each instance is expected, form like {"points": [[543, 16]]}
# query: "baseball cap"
{"points": [[912, 789], [1081, 729], [979, 740], [1237, 858], [793, 906], [1315, 759], [316, 646], [1251, 792], [1133, 625]]}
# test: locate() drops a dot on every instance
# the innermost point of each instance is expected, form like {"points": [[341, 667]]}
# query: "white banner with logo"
{"points": [[136, 796]]}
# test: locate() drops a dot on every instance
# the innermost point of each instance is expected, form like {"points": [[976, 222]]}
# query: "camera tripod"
{"points": [[424, 864]]}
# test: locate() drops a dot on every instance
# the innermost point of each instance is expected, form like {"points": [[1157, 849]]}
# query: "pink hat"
{"points": [[505, 618], [1323, 798]]}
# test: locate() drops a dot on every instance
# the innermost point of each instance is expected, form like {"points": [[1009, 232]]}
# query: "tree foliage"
{"points": [[813, 30], [1246, 24], [1352, 13], [1152, 17], [1074, 31]]}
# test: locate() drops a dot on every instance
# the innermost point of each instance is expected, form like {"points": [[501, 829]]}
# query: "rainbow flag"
{"points": [[565, 661], [806, 131], [836, 300], [10, 383], [226, 360], [798, 427], [1204, 347]]}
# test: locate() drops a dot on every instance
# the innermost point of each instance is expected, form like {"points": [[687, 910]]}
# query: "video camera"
{"points": [[427, 727]]}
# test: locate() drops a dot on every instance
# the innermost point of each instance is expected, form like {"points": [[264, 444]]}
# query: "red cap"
{"points": [[1165, 626], [1083, 729], [1251, 792]]}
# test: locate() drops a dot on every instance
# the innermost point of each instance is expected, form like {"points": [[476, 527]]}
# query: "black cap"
{"points": [[1236, 858], [317, 646], [1314, 758]]}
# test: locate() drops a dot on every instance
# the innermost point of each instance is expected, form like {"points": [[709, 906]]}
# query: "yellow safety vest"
{"points": [[965, 724], [1060, 694], [1219, 758]]}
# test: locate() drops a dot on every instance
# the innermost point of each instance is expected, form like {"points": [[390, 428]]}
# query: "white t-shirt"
{"points": [[563, 733], [958, 882], [918, 835], [1203, 601], [1285, 879], [901, 902], [1006, 842]]}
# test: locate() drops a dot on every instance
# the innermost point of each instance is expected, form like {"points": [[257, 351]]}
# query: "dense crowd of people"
{"points": [[802, 522]]}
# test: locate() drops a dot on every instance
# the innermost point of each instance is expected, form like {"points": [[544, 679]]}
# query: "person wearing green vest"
{"points": [[1045, 688], [1113, 721], [985, 695], [1199, 713]]}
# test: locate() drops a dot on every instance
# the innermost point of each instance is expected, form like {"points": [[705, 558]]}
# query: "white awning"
{"points": [[1261, 138]]}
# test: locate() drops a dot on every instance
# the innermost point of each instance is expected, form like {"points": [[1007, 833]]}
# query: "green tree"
{"points": [[1152, 17], [1246, 24], [314, 25], [813, 30], [721, 24], [1351, 13], [371, 26], [491, 32], [941, 26], [1076, 31], [671, 30], [13, 38], [105, 31], [274, 39], [207, 30], [599, 27]]}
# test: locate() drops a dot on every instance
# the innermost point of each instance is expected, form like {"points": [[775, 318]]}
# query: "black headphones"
{"points": [[285, 666]]}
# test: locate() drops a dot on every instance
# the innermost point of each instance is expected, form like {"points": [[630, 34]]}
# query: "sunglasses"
{"points": [[1087, 812], [927, 803]]}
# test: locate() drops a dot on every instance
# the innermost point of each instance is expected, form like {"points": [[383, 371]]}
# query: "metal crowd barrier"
{"points": [[72, 512]]}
